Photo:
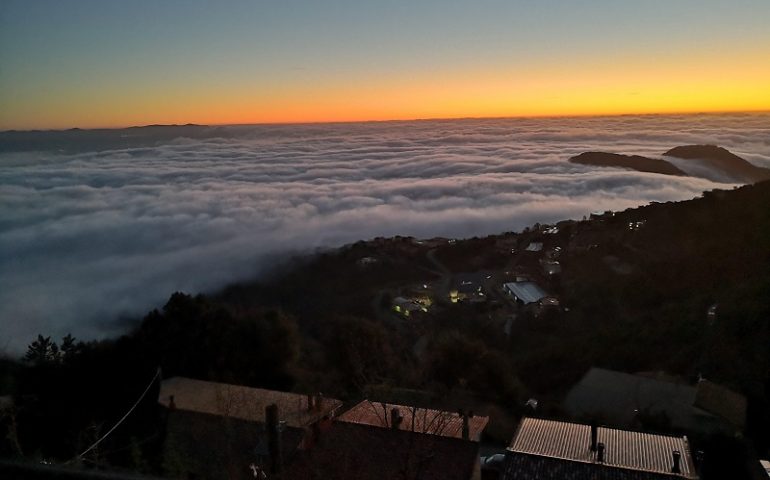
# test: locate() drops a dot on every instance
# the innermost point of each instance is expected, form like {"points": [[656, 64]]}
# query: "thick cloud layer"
{"points": [[89, 237]]}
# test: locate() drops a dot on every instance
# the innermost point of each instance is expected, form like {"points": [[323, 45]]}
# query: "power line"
{"points": [[157, 375]]}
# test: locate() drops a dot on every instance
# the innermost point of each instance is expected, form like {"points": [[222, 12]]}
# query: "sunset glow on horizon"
{"points": [[96, 64]]}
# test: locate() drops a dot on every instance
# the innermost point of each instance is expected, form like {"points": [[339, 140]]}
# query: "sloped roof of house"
{"points": [[469, 282], [528, 292], [534, 247], [765, 464], [406, 304], [421, 420], [350, 451], [620, 397], [244, 403], [537, 439], [722, 402]]}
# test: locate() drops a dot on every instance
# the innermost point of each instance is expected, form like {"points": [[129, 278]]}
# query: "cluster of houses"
{"points": [[474, 288], [215, 430]]}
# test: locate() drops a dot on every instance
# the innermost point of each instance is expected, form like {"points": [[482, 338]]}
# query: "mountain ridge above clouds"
{"points": [[719, 158], [634, 162], [703, 161]]}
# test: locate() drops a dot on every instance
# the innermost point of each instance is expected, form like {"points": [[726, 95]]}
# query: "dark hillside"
{"points": [[681, 288]]}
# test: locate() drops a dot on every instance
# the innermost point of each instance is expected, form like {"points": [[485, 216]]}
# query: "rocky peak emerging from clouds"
{"points": [[723, 160], [634, 162]]}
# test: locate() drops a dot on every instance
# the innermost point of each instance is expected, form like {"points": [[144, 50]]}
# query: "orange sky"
{"points": [[105, 73]]}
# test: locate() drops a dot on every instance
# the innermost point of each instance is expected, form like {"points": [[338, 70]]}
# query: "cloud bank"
{"points": [[90, 236]]}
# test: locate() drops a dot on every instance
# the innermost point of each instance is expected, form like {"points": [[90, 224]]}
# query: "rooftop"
{"points": [[534, 247], [765, 464], [406, 304], [244, 403], [719, 400], [620, 397], [627, 450], [528, 292], [421, 420], [351, 451]]}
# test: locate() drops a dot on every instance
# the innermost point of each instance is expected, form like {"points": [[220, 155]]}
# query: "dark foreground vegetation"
{"points": [[678, 287]]}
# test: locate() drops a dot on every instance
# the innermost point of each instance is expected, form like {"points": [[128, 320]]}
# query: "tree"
{"points": [[43, 350], [69, 347], [361, 350]]}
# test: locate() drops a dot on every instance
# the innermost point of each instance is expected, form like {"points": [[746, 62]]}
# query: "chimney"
{"points": [[594, 434], [395, 418], [273, 438], [310, 402], [171, 404], [466, 425], [677, 456], [600, 453], [699, 459], [318, 401]]}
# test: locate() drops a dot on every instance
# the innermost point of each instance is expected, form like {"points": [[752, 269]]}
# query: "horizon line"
{"points": [[396, 120]]}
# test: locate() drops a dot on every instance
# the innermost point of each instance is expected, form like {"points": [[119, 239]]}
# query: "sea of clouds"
{"points": [[90, 237]]}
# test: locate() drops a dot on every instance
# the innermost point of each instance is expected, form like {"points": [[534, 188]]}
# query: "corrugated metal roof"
{"points": [[528, 292], [421, 420], [766, 465], [245, 403], [623, 448]]}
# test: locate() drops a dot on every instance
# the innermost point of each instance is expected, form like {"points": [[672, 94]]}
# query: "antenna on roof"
{"points": [[600, 453], [675, 468]]}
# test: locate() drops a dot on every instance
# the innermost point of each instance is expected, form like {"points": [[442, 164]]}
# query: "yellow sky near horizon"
{"points": [[742, 84], [80, 76]]}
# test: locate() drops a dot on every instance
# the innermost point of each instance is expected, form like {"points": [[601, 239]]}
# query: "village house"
{"points": [[626, 400], [462, 425], [764, 465], [413, 299], [222, 431], [407, 307], [534, 247], [525, 292], [468, 287], [353, 451], [552, 450], [216, 430], [551, 267]]}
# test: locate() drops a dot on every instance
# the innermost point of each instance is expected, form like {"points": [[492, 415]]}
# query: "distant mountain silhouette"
{"points": [[721, 160], [164, 125], [87, 140], [634, 162]]}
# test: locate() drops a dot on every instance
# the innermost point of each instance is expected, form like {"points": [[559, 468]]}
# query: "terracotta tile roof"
{"points": [[245, 403], [349, 451], [625, 450], [421, 420]]}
